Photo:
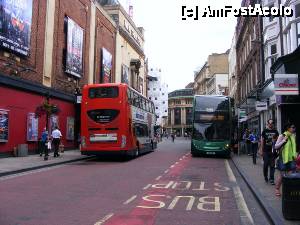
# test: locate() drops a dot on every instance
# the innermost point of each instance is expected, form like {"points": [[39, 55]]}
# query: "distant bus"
{"points": [[116, 119], [212, 125]]}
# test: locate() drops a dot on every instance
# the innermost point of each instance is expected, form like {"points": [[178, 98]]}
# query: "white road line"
{"points": [[172, 166], [104, 219], [245, 214], [176, 163], [130, 200], [166, 171], [147, 186], [157, 178]]}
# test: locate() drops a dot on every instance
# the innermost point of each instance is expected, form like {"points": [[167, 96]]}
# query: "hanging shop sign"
{"points": [[32, 127], [106, 66], [15, 25], [286, 84], [4, 119], [242, 115], [74, 54], [261, 106]]}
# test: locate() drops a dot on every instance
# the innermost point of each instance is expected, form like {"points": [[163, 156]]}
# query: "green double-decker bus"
{"points": [[212, 125]]}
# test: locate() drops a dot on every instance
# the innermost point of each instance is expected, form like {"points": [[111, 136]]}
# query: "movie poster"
{"points": [[74, 55], [125, 74], [3, 125], [106, 66], [70, 128], [53, 122], [32, 127], [15, 25]]}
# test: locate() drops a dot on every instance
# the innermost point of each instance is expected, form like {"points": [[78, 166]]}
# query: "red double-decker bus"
{"points": [[116, 119]]}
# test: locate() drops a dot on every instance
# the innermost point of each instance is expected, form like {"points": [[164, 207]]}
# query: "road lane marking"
{"points": [[130, 200], [147, 186], [245, 214], [172, 166], [166, 171], [157, 178], [104, 219]]}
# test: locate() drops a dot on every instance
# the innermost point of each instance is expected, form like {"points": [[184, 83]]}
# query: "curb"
{"points": [[42, 166], [272, 215]]}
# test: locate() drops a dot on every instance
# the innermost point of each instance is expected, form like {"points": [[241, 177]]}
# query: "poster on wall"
{"points": [[53, 122], [74, 54], [15, 25], [3, 125], [32, 127], [106, 66], [125, 74], [70, 128]]}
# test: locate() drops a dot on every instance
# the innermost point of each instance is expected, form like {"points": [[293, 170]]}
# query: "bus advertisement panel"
{"points": [[211, 125], [116, 119]]}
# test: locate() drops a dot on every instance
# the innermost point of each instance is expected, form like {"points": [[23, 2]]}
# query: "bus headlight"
{"points": [[83, 141], [123, 143], [226, 147]]}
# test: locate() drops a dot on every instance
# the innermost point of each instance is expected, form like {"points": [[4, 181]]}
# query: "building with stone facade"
{"points": [[180, 110], [212, 78], [47, 62], [249, 72], [130, 66]]}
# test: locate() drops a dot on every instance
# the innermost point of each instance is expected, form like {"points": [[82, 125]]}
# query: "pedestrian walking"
{"points": [[173, 137], [266, 151], [254, 145], [56, 136], [286, 146], [44, 147], [247, 141]]}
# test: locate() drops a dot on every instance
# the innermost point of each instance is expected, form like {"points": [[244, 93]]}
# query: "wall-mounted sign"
{"points": [[261, 106], [286, 84], [4, 125], [15, 25], [32, 127], [53, 122], [106, 66], [242, 115], [74, 55]]}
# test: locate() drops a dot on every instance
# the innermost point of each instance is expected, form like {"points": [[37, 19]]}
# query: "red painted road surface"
{"points": [[166, 187]]}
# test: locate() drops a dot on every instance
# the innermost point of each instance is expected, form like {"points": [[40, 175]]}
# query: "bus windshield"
{"points": [[211, 127]]}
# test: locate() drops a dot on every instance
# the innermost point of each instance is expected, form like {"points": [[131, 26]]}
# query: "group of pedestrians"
{"points": [[48, 142], [277, 150]]}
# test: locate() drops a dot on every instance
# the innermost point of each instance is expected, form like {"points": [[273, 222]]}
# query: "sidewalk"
{"points": [[264, 192], [14, 165]]}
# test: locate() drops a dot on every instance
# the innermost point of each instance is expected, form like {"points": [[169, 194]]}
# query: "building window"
{"points": [[163, 93], [271, 17], [177, 116], [154, 89], [177, 102], [156, 107], [164, 102], [155, 98], [298, 32], [150, 98], [273, 50], [297, 10]]}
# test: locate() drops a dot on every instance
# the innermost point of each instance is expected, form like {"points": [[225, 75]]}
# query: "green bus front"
{"points": [[212, 126]]}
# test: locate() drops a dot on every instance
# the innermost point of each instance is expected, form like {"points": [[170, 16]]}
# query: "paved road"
{"points": [[166, 187]]}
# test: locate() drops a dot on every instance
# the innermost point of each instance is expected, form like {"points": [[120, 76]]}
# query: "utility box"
{"points": [[22, 150], [291, 196]]}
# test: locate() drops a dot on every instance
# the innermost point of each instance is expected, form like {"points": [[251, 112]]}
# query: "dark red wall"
{"points": [[21, 103]]}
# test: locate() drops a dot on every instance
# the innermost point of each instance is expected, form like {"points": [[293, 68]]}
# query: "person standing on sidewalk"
{"points": [[286, 146], [266, 151], [247, 141], [56, 135], [254, 145], [44, 139]]}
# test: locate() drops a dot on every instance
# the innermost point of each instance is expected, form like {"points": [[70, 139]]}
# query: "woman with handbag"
{"points": [[286, 146]]}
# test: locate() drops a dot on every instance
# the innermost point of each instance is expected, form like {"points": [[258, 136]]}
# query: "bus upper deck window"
{"points": [[104, 92]]}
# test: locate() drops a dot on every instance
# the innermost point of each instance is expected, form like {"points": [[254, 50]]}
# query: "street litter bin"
{"points": [[291, 196]]}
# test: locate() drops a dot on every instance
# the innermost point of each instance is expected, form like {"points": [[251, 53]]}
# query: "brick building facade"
{"points": [[25, 80]]}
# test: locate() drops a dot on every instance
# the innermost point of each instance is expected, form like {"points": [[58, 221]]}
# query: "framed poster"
{"points": [[70, 128], [125, 74], [106, 66], [32, 127], [4, 125], [15, 25], [53, 122], [74, 54]]}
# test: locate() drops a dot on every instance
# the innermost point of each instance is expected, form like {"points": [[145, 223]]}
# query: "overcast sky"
{"points": [[178, 47]]}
